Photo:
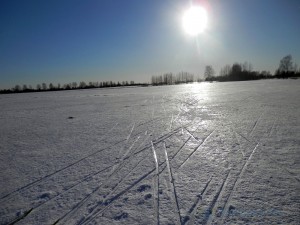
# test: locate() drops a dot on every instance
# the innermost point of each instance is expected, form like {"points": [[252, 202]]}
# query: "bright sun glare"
{"points": [[194, 20]]}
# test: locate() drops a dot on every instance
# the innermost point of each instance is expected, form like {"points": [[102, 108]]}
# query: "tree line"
{"points": [[68, 86], [170, 78], [237, 72], [241, 72]]}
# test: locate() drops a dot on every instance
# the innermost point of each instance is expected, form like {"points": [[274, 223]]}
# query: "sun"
{"points": [[194, 20]]}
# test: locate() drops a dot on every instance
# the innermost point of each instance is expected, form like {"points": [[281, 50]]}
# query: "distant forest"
{"points": [[69, 86], [236, 72]]}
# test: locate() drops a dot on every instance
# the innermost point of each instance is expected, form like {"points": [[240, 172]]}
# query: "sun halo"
{"points": [[194, 20]]}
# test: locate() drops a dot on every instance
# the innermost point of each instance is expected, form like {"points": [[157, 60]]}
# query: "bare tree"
{"points": [[236, 69], [286, 64], [51, 86], [74, 85], [209, 72], [17, 88], [44, 86], [225, 71], [82, 84]]}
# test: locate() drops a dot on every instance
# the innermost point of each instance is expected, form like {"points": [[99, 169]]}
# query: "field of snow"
{"points": [[209, 153]]}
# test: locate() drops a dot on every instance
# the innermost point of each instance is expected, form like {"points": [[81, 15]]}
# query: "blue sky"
{"points": [[61, 41]]}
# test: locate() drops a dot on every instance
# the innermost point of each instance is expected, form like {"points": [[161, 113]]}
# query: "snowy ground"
{"points": [[227, 153]]}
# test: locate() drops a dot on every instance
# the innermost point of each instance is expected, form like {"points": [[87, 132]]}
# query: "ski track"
{"points": [[29, 185], [87, 177], [190, 216], [62, 169], [116, 167], [240, 148], [68, 189], [156, 185], [107, 202], [138, 142], [255, 124], [171, 179], [192, 135], [211, 208], [240, 174], [54, 173], [117, 196], [112, 199], [96, 213], [195, 149], [26, 213], [272, 127], [158, 140]]}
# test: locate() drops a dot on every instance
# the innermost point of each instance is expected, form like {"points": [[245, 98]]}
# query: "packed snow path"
{"points": [[209, 153]]}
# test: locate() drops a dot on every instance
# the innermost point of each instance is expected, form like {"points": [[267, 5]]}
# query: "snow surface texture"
{"points": [[209, 153]]}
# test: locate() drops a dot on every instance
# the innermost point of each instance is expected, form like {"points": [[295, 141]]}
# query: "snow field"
{"points": [[227, 153]]}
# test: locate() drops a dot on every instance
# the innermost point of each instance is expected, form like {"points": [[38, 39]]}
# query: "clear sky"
{"points": [[62, 41]]}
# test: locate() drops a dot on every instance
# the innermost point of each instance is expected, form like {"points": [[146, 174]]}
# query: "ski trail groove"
{"points": [[190, 134], [228, 200], [173, 184], [190, 216], [62, 169], [117, 196], [20, 218], [140, 145], [172, 157], [91, 175], [210, 217], [139, 180], [85, 179], [195, 149], [164, 137], [122, 179], [57, 171], [114, 171], [128, 137], [171, 123], [71, 187], [121, 163], [242, 136], [110, 199], [240, 146], [255, 124], [129, 149], [158, 140], [156, 185], [272, 128]]}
